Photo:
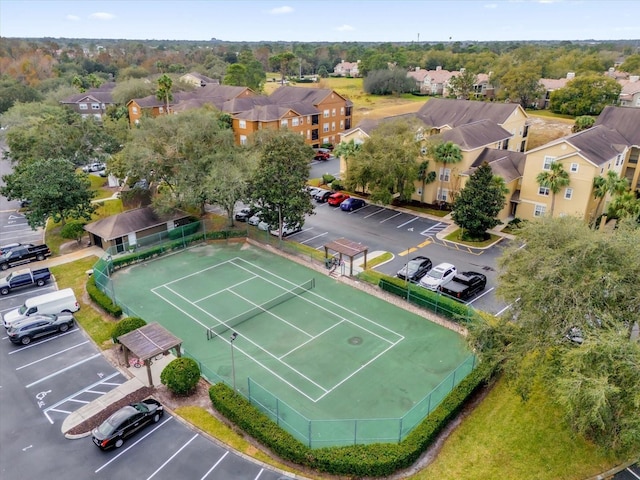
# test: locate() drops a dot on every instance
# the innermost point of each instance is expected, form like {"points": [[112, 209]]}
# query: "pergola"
{"points": [[147, 342], [348, 248]]}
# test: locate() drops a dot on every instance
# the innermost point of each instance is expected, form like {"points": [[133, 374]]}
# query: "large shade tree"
{"points": [[278, 184], [554, 179], [574, 301], [585, 95]]}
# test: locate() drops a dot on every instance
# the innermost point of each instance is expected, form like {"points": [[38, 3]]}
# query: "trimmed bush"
{"points": [[375, 460], [181, 376], [73, 229], [102, 299], [126, 325]]}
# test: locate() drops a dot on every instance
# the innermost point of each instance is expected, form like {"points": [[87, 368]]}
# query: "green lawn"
{"points": [[507, 438]]}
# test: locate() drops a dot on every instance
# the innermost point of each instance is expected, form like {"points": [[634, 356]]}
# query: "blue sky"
{"points": [[329, 20]]}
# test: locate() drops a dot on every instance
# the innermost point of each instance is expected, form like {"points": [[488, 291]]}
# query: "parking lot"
{"points": [[43, 382]]}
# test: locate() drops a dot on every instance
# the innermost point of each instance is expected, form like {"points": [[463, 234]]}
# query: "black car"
{"points": [[36, 326], [126, 422], [415, 269], [12, 246], [244, 214], [323, 195]]}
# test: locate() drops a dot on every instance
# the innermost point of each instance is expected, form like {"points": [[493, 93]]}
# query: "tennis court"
{"points": [[275, 328]]}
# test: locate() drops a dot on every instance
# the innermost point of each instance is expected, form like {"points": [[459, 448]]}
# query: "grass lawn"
{"points": [[506, 438], [455, 237]]}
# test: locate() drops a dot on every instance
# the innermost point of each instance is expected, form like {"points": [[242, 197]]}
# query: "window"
{"points": [[243, 139], [309, 134], [574, 168], [618, 159], [333, 112], [546, 165], [333, 126], [295, 122], [95, 106], [526, 131], [342, 111], [443, 194], [445, 174], [242, 124], [325, 114], [568, 193], [543, 191], [325, 127], [84, 106], [341, 124], [161, 109], [284, 123], [134, 110], [539, 210]]}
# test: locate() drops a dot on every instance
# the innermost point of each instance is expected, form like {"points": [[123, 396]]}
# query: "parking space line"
{"points": [[133, 445], [51, 339], [479, 296], [215, 465], [313, 238], [172, 457], [633, 473], [407, 223], [259, 473], [407, 252], [63, 370], [393, 216], [70, 397], [375, 213], [52, 355]]}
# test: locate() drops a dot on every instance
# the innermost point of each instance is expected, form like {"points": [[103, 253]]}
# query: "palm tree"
{"points": [[164, 90], [425, 176], [624, 205], [611, 184], [346, 151], [447, 154], [554, 179]]}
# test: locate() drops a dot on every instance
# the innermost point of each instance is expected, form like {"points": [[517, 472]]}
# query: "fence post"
{"points": [[309, 423]]}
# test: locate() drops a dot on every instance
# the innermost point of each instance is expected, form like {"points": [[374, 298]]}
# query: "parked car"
{"points": [[322, 154], [322, 196], [337, 198], [286, 230], [441, 274], [254, 220], [12, 246], [415, 269], [24, 278], [464, 285], [126, 422], [60, 301], [25, 202], [36, 326], [312, 190], [263, 226], [94, 167], [352, 203], [24, 254], [244, 214]]}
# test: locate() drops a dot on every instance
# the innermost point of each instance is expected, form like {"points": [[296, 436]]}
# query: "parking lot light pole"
{"points": [[234, 335]]}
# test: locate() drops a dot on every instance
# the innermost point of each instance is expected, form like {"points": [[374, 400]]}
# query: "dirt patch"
{"points": [[545, 130]]}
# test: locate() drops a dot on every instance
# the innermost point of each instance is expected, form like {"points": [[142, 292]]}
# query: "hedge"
{"points": [[102, 299], [375, 460]]}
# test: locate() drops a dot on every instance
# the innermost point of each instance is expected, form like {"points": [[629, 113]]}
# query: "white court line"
{"points": [[52, 355], [223, 290], [215, 465], [55, 405], [393, 216], [55, 374], [132, 445], [407, 223], [172, 457], [312, 339], [50, 339], [192, 274]]}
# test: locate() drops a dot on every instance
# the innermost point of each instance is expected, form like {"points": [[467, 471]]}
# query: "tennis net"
{"points": [[217, 330]]}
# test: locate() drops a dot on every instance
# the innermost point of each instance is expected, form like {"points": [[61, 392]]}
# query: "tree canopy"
{"points": [[585, 95], [573, 300]]}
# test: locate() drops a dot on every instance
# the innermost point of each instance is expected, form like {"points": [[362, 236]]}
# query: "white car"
{"points": [[263, 226], [255, 220], [94, 167], [286, 230], [438, 275]]}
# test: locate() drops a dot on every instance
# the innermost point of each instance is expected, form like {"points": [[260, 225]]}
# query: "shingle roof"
{"points": [[504, 163], [287, 95], [264, 113], [439, 112], [116, 226], [97, 96], [554, 83], [598, 144], [475, 135], [624, 120]]}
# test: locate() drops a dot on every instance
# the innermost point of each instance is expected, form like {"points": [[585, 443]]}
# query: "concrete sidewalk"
{"points": [[72, 257]]}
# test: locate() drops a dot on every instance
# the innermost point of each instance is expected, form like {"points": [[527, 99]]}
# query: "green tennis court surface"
{"points": [[306, 344]]}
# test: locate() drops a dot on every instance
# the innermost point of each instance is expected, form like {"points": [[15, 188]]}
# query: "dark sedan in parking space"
{"points": [[322, 196], [352, 203], [244, 214], [36, 326], [126, 422], [415, 269]]}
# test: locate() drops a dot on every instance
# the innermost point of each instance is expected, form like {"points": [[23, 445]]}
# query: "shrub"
{"points": [[336, 185], [181, 376], [102, 299], [126, 325], [327, 178], [73, 229]]}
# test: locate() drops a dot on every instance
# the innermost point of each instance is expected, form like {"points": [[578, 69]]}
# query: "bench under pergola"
{"points": [[147, 342], [347, 248]]}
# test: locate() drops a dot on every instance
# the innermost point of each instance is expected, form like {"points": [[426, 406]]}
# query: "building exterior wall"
{"points": [[516, 124]]}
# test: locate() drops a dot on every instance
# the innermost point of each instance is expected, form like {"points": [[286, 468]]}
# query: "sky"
{"points": [[324, 21]]}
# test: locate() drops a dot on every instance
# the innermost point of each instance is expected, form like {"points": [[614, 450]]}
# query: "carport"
{"points": [[348, 248], [148, 342]]}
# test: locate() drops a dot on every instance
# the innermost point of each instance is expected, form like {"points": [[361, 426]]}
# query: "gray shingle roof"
{"points": [[624, 120], [286, 95], [439, 112], [116, 226], [504, 163], [476, 135], [599, 144]]}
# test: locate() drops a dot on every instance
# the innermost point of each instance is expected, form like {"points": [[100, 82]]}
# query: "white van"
{"points": [[51, 303]]}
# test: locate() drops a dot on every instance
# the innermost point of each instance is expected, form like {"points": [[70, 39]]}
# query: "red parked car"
{"points": [[337, 198], [322, 154]]}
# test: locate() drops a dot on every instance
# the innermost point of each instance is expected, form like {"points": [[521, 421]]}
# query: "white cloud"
{"points": [[491, 5], [280, 10], [102, 16], [345, 28], [73, 18]]}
